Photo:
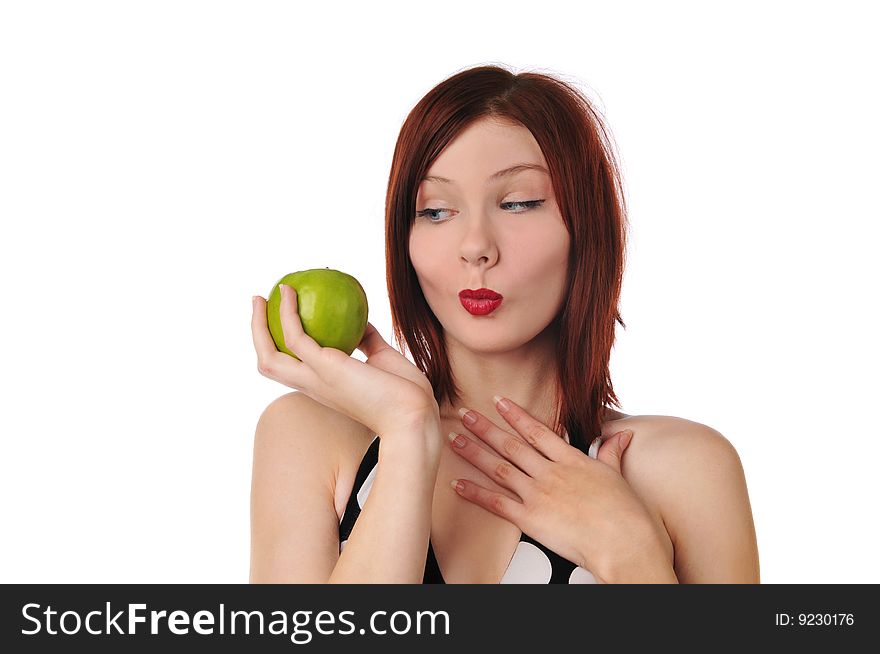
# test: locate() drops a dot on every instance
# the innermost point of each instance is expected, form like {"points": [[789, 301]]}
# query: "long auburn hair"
{"points": [[589, 192]]}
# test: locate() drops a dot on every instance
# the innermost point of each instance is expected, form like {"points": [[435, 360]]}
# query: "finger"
{"points": [[536, 434], [501, 505], [296, 340], [499, 470], [268, 356], [372, 341], [512, 448], [611, 450]]}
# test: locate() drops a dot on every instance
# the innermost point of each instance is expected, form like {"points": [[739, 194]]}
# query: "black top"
{"points": [[531, 563]]}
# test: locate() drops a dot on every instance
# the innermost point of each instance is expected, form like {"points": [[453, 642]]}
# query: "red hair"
{"points": [[589, 192]]}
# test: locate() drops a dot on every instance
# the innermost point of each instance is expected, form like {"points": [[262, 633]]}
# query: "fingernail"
{"points": [[626, 437], [457, 485], [502, 404], [466, 415], [456, 439]]}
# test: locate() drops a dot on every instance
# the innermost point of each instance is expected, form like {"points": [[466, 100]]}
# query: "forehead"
{"points": [[488, 151]]}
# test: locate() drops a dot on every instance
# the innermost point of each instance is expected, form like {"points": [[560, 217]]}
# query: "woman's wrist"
{"points": [[418, 443]]}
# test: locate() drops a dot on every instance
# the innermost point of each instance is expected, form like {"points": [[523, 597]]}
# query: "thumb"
{"points": [[611, 451]]}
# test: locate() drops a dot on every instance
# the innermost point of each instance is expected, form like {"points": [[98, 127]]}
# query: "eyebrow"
{"points": [[512, 170]]}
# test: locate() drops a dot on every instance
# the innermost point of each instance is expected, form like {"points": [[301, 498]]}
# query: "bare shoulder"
{"points": [[670, 435], [298, 447], [694, 477], [339, 440], [666, 449]]}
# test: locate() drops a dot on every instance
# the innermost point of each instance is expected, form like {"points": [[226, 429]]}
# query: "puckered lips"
{"points": [[480, 302]]}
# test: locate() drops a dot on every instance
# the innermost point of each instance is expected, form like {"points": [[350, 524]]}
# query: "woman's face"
{"points": [[477, 237]]}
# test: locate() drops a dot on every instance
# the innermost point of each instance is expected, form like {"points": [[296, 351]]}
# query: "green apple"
{"points": [[332, 308]]}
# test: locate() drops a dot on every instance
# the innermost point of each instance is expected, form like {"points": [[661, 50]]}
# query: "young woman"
{"points": [[505, 244]]}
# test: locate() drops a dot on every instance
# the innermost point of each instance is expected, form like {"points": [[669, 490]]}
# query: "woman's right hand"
{"points": [[386, 393]]}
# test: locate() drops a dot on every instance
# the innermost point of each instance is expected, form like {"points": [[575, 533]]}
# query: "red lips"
{"points": [[481, 302], [480, 294]]}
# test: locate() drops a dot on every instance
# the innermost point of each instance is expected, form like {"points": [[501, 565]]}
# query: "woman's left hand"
{"points": [[579, 507]]}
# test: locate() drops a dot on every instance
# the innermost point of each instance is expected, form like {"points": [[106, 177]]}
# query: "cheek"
{"points": [[542, 253], [427, 261]]}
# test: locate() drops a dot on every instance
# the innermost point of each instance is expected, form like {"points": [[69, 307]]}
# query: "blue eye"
{"points": [[528, 204], [431, 214]]}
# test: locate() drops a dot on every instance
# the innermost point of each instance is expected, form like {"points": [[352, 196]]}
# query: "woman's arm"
{"points": [[389, 541], [294, 525], [705, 505]]}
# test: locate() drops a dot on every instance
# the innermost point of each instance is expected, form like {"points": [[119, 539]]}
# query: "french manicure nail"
{"points": [[455, 439], [501, 403], [468, 417]]}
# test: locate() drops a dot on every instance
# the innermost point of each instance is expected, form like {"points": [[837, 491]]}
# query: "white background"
{"points": [[162, 162]]}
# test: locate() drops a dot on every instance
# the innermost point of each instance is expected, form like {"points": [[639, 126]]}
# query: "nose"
{"points": [[478, 243]]}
